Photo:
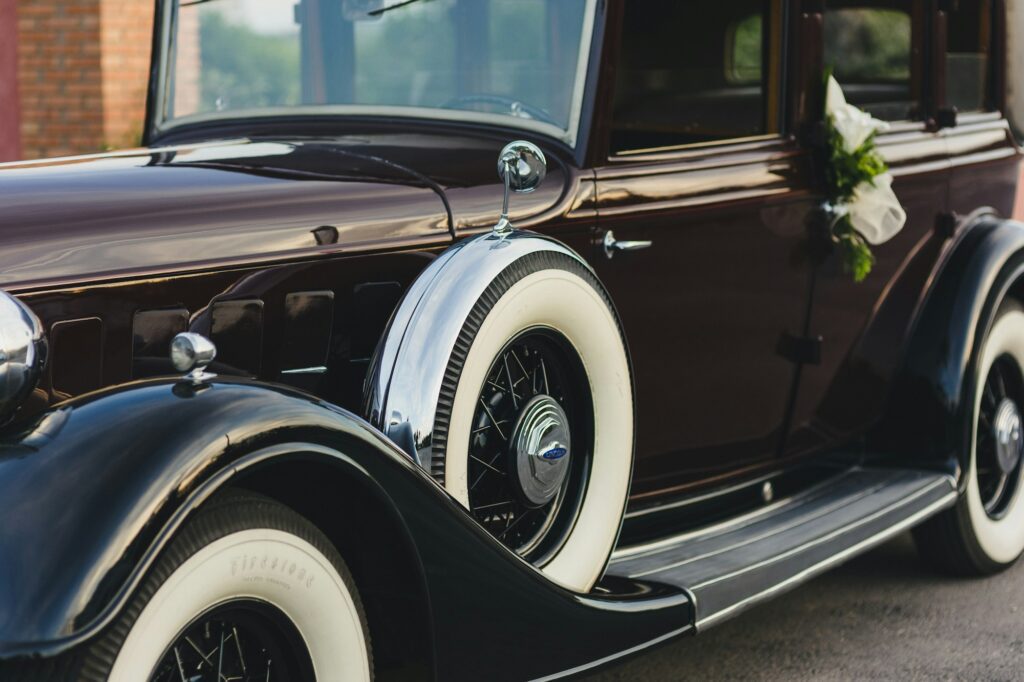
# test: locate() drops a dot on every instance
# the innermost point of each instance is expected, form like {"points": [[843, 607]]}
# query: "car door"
{"points": [[703, 204], [876, 49]]}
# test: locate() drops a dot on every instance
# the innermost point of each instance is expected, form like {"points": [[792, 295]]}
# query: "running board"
{"points": [[736, 564]]}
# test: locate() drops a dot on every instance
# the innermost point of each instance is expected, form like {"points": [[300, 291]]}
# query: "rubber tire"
{"points": [[233, 516], [550, 290], [963, 540]]}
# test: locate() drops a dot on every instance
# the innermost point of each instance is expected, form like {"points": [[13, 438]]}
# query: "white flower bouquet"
{"points": [[859, 183]]}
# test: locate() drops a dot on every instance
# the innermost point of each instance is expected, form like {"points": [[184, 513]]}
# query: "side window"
{"points": [[868, 46], [968, 66], [693, 72]]}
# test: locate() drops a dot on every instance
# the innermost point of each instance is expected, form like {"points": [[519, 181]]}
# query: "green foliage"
{"points": [[868, 45], [747, 51], [845, 171], [244, 69], [854, 251]]}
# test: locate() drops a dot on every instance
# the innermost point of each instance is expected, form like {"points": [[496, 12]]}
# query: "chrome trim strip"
{"points": [[827, 509], [305, 370], [714, 529], [702, 497], [810, 572], [829, 536], [621, 654]]}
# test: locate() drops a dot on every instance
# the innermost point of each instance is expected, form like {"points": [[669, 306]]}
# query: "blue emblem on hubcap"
{"points": [[557, 452]]}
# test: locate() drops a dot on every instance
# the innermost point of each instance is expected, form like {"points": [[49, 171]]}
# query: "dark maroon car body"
{"points": [[289, 242]]}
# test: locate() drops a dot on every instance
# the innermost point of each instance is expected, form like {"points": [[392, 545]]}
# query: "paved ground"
{"points": [[882, 616]]}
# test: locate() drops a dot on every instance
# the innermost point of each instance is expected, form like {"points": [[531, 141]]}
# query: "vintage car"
{"points": [[305, 389]]}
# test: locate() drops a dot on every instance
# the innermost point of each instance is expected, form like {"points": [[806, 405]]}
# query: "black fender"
{"points": [[928, 420], [93, 490]]}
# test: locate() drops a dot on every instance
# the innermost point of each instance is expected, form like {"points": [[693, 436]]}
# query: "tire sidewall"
{"points": [[569, 305], [266, 565], [995, 543]]}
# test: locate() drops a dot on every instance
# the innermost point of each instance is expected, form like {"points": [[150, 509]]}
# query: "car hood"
{"points": [[152, 211]]}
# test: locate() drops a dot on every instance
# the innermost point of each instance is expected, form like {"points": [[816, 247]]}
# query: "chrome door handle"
{"points": [[611, 244]]}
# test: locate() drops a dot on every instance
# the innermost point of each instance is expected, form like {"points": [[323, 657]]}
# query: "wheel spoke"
{"points": [[181, 666], [516, 522], [511, 385], [238, 645], [220, 658], [1000, 383], [988, 395], [488, 466], [205, 657], [493, 420], [526, 375]]}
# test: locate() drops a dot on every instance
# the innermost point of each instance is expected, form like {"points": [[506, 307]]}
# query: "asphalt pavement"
{"points": [[882, 616]]}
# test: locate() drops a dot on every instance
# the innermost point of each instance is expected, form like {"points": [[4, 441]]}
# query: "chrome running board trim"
{"points": [[735, 564]]}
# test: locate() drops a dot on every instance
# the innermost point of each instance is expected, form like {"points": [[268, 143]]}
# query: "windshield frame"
{"points": [[160, 124]]}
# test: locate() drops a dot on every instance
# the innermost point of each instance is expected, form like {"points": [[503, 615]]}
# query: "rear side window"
{"points": [[694, 72], [968, 62], [868, 46]]}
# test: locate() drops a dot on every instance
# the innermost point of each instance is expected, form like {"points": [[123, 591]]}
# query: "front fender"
{"points": [[932, 403], [91, 491]]}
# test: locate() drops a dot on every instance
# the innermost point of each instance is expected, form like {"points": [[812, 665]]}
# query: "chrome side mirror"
{"points": [[22, 354], [522, 167]]}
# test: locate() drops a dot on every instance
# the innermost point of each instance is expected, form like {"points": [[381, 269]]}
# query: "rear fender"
{"points": [[931, 406]]}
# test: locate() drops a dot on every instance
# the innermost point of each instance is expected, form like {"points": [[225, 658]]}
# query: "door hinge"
{"points": [[805, 350], [946, 117], [946, 224]]}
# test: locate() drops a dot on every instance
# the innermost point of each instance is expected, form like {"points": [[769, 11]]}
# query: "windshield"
{"points": [[513, 62]]}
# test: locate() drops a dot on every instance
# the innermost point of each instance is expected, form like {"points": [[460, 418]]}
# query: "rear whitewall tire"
{"points": [[571, 304], [1000, 540], [966, 540]]}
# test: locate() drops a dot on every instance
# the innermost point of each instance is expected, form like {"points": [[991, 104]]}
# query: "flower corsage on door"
{"points": [[865, 210]]}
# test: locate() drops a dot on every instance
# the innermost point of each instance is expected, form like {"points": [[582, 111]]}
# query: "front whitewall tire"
{"points": [[254, 564], [251, 569]]}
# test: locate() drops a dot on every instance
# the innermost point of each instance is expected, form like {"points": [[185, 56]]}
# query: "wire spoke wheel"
{"points": [[998, 440], [530, 445], [242, 641]]}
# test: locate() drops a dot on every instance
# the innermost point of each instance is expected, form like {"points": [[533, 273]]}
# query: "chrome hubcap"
{"points": [[1007, 429], [1000, 436], [540, 450], [531, 445]]}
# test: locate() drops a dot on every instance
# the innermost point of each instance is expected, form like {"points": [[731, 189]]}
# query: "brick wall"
{"points": [[126, 34], [82, 67], [10, 109]]}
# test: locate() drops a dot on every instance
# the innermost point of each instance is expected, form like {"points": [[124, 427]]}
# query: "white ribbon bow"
{"points": [[874, 210]]}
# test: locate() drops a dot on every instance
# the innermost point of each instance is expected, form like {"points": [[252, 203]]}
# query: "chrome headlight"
{"points": [[22, 354]]}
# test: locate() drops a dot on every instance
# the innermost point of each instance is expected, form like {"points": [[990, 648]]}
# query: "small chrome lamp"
{"points": [[192, 353]]}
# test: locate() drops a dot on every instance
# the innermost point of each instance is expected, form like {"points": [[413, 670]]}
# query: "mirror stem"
{"points": [[504, 226]]}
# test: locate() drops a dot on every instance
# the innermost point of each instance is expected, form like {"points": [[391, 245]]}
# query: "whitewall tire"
{"points": [[984, 533], [546, 328], [253, 585]]}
